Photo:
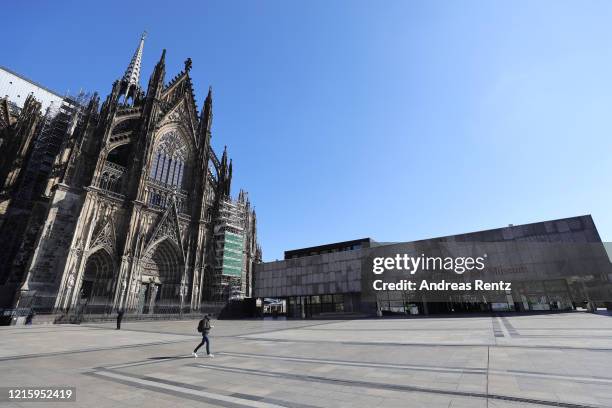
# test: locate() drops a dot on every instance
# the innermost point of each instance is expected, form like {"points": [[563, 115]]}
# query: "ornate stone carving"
{"points": [[168, 228], [104, 236], [173, 145], [71, 280]]}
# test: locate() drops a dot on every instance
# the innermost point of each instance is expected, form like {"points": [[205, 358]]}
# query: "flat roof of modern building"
{"points": [[334, 247], [533, 229], [10, 71], [522, 230]]}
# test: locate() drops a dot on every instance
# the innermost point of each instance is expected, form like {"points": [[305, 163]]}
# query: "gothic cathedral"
{"points": [[135, 212]]}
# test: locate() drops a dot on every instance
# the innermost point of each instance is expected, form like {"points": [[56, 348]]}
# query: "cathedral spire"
{"points": [[131, 78], [132, 73], [229, 177], [224, 159], [156, 81], [206, 116]]}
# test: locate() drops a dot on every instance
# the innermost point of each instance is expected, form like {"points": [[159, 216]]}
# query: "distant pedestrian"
{"points": [[29, 317], [119, 318], [204, 327]]}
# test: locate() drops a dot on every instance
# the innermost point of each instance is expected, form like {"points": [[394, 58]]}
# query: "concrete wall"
{"points": [[338, 272]]}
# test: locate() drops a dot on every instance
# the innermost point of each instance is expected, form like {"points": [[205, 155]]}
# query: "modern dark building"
{"points": [[551, 265]]}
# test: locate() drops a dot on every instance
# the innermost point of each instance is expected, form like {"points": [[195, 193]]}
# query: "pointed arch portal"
{"points": [[162, 272], [98, 286]]}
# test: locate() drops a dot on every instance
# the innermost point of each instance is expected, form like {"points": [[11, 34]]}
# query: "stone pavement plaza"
{"points": [[514, 361]]}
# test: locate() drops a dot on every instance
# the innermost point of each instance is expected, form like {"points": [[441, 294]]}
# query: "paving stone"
{"points": [[424, 362]]}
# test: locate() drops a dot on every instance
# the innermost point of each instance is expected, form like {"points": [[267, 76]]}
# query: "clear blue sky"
{"points": [[398, 120]]}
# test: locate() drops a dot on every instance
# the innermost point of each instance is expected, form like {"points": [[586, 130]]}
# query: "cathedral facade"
{"points": [[131, 214]]}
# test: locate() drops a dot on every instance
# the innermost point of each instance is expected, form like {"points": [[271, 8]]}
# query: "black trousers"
{"points": [[204, 340]]}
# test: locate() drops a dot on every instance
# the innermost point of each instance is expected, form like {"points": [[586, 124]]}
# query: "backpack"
{"points": [[204, 325]]}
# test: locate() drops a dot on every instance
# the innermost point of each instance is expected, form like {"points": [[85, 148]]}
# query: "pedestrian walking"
{"points": [[204, 327], [119, 318], [29, 317]]}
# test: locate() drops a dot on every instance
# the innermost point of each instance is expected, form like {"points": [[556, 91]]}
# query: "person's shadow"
{"points": [[170, 357]]}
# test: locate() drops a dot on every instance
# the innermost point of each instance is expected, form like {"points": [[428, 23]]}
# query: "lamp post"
{"points": [[182, 293]]}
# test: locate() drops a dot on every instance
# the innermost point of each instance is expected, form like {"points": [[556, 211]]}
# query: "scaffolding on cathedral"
{"points": [[59, 121], [229, 246]]}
